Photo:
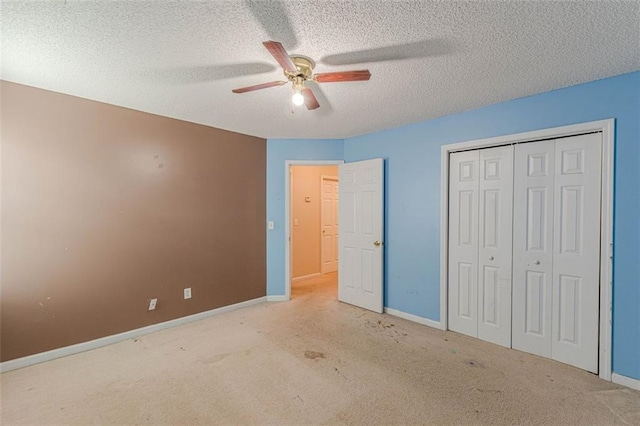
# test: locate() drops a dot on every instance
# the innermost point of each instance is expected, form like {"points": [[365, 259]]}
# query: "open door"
{"points": [[360, 233]]}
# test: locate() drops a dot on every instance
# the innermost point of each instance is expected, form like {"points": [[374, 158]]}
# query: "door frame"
{"points": [[607, 127], [287, 214], [322, 179]]}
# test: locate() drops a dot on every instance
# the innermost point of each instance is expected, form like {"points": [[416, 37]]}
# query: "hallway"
{"points": [[324, 286]]}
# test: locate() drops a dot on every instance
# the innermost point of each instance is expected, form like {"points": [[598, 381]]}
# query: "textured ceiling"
{"points": [[427, 58]]}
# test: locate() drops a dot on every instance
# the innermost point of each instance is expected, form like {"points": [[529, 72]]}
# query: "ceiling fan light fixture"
{"points": [[297, 98]]}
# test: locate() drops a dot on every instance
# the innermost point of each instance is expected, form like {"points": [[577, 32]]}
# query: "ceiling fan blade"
{"points": [[335, 77], [258, 87], [277, 51], [310, 100]]}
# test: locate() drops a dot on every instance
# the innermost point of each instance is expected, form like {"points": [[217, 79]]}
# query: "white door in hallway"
{"points": [[361, 192], [329, 219], [557, 249]]}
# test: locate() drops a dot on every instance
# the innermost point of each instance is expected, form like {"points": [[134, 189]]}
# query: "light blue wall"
{"points": [[412, 188], [412, 184], [278, 151]]}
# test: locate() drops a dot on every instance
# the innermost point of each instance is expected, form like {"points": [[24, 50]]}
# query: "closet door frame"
{"points": [[606, 127]]}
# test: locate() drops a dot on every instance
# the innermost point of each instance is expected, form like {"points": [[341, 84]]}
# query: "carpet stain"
{"points": [[313, 354], [490, 390], [338, 371], [378, 324], [474, 363]]}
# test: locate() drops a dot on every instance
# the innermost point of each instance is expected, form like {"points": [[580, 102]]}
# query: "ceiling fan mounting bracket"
{"points": [[304, 68]]}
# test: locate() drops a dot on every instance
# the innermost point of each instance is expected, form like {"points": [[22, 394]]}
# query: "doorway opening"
{"points": [[312, 225]]}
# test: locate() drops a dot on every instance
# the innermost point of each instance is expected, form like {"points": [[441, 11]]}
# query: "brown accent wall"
{"points": [[104, 208]]}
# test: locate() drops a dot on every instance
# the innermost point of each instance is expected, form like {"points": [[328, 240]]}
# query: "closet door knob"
{"points": [[537, 262], [490, 257]]}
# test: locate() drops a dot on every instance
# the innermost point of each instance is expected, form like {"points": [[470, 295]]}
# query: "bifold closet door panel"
{"points": [[576, 259], [533, 216], [463, 242], [495, 228]]}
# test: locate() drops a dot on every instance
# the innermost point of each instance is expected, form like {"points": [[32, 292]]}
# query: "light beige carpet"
{"points": [[310, 361]]}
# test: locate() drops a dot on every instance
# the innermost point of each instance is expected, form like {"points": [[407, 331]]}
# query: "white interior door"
{"points": [[361, 194], [576, 251], [495, 229], [480, 244], [329, 219], [557, 249], [533, 247], [463, 242]]}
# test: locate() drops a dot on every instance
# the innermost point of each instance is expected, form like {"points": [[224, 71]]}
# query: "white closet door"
{"points": [[495, 244], [533, 247], [556, 246], [463, 242], [576, 258]]}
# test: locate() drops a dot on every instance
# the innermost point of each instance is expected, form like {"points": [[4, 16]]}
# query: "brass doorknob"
{"points": [[377, 243]]}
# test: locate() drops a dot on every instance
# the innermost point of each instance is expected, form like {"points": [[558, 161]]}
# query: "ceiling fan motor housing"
{"points": [[304, 68]]}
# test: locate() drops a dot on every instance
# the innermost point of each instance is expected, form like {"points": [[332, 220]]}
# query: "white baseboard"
{"points": [[625, 381], [414, 318], [26, 361], [277, 298], [306, 277]]}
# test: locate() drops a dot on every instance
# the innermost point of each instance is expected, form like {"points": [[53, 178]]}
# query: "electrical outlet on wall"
{"points": [[152, 304], [187, 293]]}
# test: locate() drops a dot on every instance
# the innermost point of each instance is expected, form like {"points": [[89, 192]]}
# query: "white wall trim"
{"points": [[606, 250], [606, 217], [115, 338], [415, 318], [625, 381], [287, 213], [277, 298], [306, 277]]}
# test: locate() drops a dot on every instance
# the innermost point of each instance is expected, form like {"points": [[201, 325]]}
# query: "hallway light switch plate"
{"points": [[152, 304], [187, 293], [270, 224]]}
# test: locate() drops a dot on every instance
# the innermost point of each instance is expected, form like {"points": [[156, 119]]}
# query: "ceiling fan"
{"points": [[298, 70]]}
